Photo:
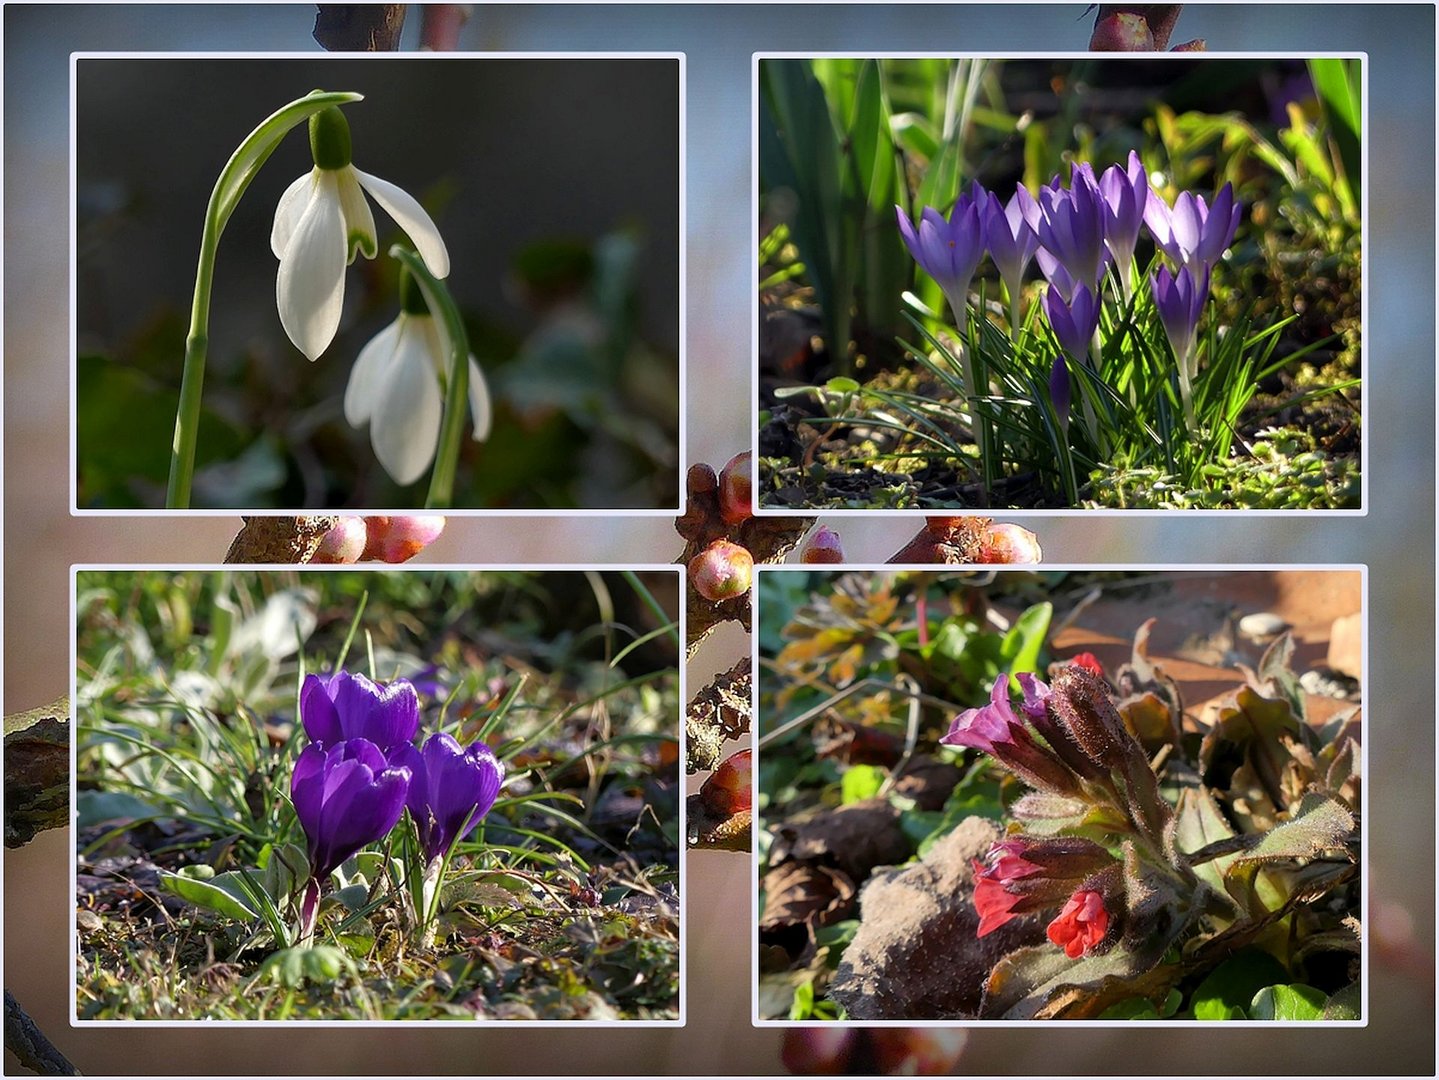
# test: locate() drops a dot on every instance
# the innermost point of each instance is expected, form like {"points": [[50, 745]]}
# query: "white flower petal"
{"points": [[367, 376], [479, 402], [405, 424], [411, 217], [288, 210], [359, 221], [310, 287]]}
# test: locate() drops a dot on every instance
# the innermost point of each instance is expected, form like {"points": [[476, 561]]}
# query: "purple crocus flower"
{"points": [[1125, 193], [1193, 233], [350, 706], [948, 251], [451, 785], [346, 796], [1009, 233], [1180, 299], [1074, 322], [1071, 226]]}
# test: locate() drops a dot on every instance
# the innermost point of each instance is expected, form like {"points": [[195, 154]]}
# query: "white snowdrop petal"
{"points": [[288, 211], [359, 220], [411, 217], [368, 374], [405, 423], [310, 287], [479, 402]]}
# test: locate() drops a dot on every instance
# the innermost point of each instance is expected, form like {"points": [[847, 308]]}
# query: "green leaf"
{"points": [[225, 893], [1321, 823], [1295, 1001], [1135, 1008], [861, 782], [1344, 1004], [802, 1007], [297, 966], [1022, 644], [842, 385], [1227, 992]]}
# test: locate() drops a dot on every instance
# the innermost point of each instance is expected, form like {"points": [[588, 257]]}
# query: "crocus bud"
{"points": [[345, 543], [728, 789], [1007, 543], [822, 546], [396, 539], [735, 484], [721, 571]]}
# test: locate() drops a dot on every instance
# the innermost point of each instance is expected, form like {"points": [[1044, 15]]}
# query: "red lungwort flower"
{"points": [[1089, 662], [992, 899], [1081, 924]]}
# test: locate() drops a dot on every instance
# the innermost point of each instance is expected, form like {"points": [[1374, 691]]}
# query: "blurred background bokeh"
{"points": [[555, 184], [1396, 538]]}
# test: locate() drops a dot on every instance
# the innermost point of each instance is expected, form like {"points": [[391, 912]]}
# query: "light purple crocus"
{"points": [[1009, 233], [452, 788], [1071, 226], [350, 706], [1193, 233], [1074, 321], [1180, 299], [948, 251], [1125, 192]]}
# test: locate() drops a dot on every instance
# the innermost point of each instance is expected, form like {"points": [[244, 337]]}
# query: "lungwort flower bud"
{"points": [[1022, 874], [1081, 925]]}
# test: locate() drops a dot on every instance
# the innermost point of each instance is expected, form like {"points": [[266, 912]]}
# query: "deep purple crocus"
{"points": [[452, 788], [1193, 233], [949, 251], [1060, 394], [1125, 192], [1071, 226], [1180, 299], [350, 706], [346, 796], [1074, 322], [1009, 233]]}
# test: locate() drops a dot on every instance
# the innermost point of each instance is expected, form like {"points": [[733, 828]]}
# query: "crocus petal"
{"points": [[359, 221], [310, 287], [405, 424], [288, 212], [385, 715], [317, 711], [368, 374], [411, 217], [307, 787]]}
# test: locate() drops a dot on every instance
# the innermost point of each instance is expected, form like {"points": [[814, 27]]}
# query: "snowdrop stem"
{"points": [[457, 378], [234, 178]]}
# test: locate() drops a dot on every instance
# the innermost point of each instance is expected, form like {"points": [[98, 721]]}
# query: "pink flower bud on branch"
{"points": [[721, 571]]}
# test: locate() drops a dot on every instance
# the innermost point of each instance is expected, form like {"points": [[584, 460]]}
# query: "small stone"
{"points": [[1262, 626]]}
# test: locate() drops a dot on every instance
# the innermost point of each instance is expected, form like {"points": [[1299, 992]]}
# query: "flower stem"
{"points": [[234, 178], [457, 382]]}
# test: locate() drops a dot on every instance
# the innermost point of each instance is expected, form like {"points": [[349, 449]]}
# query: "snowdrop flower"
{"points": [[322, 220], [396, 387]]}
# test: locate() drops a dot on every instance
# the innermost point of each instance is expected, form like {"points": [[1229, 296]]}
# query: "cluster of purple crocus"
{"points": [[1077, 234], [361, 770]]}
